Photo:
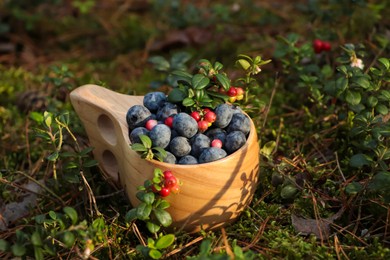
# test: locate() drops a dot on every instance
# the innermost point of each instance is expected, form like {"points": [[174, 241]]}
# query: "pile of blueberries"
{"points": [[185, 137]]}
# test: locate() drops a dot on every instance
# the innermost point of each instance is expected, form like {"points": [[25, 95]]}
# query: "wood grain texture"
{"points": [[212, 194]]}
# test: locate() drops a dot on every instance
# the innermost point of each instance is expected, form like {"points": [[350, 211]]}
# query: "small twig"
{"points": [[42, 186], [227, 246], [177, 250], [338, 167], [270, 100], [90, 194], [109, 195]]}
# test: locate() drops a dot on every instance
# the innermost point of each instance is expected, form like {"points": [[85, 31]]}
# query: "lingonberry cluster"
{"points": [[165, 184], [205, 118], [234, 93], [320, 46]]}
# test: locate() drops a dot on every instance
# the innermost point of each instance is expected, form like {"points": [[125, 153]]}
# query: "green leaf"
{"points": [[131, 215], [4, 245], [182, 75], [36, 239], [149, 198], [199, 81], [288, 192], [244, 64], [385, 62], [18, 249], [68, 238], [138, 147], [72, 214], [223, 80], [268, 148], [143, 211], [86, 151], [381, 181], [155, 254], [52, 215], [165, 241], [341, 85], [372, 101], [176, 95], [38, 253], [353, 188], [353, 97], [152, 227], [359, 160], [146, 141], [53, 157], [90, 163], [362, 82], [384, 95], [382, 109], [163, 204], [160, 63], [178, 59], [187, 102], [99, 224], [47, 118], [163, 217], [36, 116], [218, 66]]}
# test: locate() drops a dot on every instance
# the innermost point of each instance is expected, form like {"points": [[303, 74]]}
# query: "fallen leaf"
{"points": [[318, 227]]}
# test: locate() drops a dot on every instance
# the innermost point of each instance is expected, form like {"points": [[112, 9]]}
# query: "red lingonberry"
{"points": [[232, 99], [150, 124], [169, 121], [240, 97], [240, 91], [195, 115], [203, 125], [210, 117], [232, 92], [164, 192], [326, 46], [206, 110], [167, 174], [318, 46], [170, 182], [175, 189], [216, 143]]}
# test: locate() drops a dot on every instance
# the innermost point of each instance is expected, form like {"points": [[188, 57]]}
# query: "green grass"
{"points": [[324, 143]]}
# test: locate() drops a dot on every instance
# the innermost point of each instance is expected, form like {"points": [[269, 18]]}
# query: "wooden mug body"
{"points": [[211, 195]]}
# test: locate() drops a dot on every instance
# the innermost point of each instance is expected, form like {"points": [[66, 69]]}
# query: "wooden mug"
{"points": [[212, 194]]}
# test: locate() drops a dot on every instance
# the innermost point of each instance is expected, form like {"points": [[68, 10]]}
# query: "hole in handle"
{"points": [[110, 165], [107, 129]]}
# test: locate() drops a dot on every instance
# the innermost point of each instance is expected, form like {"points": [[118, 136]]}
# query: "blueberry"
{"points": [[239, 122], [167, 110], [180, 146], [185, 125], [216, 133], [188, 159], [136, 116], [154, 100], [160, 135], [170, 158], [134, 135], [236, 109], [199, 143], [224, 114], [234, 141], [212, 154]]}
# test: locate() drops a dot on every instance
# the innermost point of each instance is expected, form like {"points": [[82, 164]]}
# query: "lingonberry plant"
{"points": [[147, 151], [152, 210]]}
